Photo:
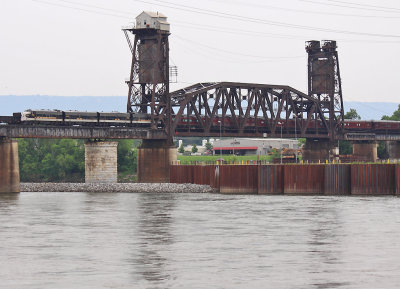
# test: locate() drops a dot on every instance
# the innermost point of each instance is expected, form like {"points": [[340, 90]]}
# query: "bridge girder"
{"points": [[246, 109]]}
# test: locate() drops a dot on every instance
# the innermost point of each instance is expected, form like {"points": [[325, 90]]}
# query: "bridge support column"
{"points": [[101, 162], [366, 151], [154, 158], [9, 166], [317, 150], [393, 149]]}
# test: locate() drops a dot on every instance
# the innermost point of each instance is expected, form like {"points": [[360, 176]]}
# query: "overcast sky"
{"points": [[77, 48]]}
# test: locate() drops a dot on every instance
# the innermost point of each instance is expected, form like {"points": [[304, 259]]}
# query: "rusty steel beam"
{"points": [[79, 132], [148, 85], [247, 109]]}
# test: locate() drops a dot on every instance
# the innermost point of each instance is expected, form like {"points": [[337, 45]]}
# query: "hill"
{"points": [[17, 103]]}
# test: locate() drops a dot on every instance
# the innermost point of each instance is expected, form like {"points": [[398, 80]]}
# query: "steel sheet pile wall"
{"points": [[337, 179], [202, 175], [372, 179], [270, 179], [304, 179], [397, 179], [242, 179]]}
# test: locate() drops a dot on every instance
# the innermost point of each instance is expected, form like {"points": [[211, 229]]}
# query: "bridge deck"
{"points": [[76, 132]]}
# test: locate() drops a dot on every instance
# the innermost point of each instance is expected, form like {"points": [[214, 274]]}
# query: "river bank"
{"points": [[116, 188]]}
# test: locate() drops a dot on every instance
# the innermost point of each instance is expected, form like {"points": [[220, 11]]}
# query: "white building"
{"points": [[154, 20], [252, 146]]}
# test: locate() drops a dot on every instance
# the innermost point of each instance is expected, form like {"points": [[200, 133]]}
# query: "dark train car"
{"points": [[114, 117], [358, 125], [385, 125], [80, 116]]}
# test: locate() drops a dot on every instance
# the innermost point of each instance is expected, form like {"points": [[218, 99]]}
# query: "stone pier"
{"points": [[318, 150], [393, 149], [9, 166], [101, 162], [154, 158], [366, 151]]}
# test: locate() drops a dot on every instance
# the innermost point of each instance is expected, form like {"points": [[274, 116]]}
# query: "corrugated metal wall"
{"points": [[337, 179], [372, 179], [270, 179], [241, 179], [202, 175], [304, 179], [397, 179]]}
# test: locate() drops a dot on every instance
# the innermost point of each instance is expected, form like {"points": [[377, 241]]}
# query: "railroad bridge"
{"points": [[223, 109]]}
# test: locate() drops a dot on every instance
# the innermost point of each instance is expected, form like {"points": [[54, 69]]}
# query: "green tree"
{"points": [[301, 142], [194, 148], [352, 114], [382, 151], [395, 115], [127, 156], [181, 149], [209, 146], [345, 147], [51, 160]]}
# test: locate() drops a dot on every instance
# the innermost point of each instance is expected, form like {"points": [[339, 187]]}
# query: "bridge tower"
{"points": [[324, 85], [149, 76], [149, 92], [324, 81]]}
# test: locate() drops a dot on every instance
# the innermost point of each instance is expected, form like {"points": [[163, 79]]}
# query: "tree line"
{"points": [[63, 160]]}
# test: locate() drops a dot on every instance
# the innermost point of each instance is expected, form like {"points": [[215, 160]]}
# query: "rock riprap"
{"points": [[116, 188]]}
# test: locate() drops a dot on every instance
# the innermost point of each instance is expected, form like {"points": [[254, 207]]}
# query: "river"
{"points": [[122, 240]]}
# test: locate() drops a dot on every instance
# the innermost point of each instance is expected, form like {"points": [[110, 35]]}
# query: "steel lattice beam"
{"points": [[245, 109]]}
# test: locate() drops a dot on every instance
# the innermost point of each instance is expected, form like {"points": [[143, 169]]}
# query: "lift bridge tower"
{"points": [[149, 75], [324, 82]]}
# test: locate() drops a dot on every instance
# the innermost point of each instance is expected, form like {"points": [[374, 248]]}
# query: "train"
{"points": [[185, 123], [81, 118], [377, 126], [228, 123]]}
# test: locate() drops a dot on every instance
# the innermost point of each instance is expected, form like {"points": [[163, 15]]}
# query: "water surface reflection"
{"points": [[84, 240]]}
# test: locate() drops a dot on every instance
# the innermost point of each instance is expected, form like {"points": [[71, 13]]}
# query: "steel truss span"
{"points": [[253, 110]]}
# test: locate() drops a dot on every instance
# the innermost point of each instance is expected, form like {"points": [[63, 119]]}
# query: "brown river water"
{"points": [[138, 240]]}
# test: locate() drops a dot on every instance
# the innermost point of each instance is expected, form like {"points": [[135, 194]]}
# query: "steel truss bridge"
{"points": [[248, 110]]}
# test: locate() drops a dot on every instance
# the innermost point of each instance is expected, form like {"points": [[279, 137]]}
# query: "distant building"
{"points": [[155, 20], [252, 146]]}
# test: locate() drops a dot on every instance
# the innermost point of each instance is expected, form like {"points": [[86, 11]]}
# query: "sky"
{"points": [[77, 48]]}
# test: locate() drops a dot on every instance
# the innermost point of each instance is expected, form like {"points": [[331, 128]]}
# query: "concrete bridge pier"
{"points": [[9, 166], [318, 150], [101, 162], [393, 149], [154, 158], [366, 151]]}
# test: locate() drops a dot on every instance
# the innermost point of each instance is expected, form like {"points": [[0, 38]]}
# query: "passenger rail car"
{"points": [[375, 126], [83, 118], [251, 124]]}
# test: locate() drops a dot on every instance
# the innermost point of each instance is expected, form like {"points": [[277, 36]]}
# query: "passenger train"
{"points": [[186, 122], [82, 118]]}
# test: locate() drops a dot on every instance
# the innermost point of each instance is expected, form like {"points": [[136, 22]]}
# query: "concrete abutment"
{"points": [[9, 166], [154, 158]]}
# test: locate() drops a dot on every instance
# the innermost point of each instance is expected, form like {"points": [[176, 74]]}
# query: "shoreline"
{"points": [[116, 188]]}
